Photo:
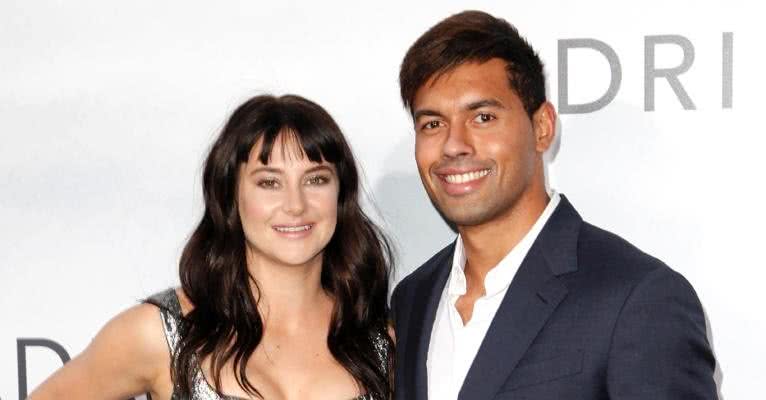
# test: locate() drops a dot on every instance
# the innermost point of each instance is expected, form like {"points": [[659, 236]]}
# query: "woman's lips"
{"points": [[293, 231]]}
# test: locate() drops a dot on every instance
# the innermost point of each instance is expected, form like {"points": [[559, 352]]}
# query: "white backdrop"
{"points": [[107, 110]]}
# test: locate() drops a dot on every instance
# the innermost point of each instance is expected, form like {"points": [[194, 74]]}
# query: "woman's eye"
{"points": [[268, 183], [318, 180], [484, 117]]}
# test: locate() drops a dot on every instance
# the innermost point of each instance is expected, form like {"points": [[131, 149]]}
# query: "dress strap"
{"points": [[170, 313], [382, 349]]}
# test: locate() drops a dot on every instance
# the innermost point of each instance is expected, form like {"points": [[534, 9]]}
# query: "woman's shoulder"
{"points": [[129, 351], [127, 356], [173, 305], [139, 328], [172, 300]]}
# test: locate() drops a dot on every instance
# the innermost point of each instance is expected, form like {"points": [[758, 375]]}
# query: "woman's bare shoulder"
{"points": [[135, 340], [141, 322], [129, 355]]}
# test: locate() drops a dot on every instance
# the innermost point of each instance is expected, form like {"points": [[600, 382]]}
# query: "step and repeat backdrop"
{"points": [[107, 110]]}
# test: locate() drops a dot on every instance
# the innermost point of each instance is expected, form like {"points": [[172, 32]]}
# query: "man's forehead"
{"points": [[464, 84]]}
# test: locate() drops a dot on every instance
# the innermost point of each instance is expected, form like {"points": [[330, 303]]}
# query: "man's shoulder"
{"points": [[607, 253], [425, 270]]}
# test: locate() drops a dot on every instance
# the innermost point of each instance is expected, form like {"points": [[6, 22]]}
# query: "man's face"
{"points": [[476, 148]]}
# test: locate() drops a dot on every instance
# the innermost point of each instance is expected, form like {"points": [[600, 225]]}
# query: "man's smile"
{"points": [[459, 183]]}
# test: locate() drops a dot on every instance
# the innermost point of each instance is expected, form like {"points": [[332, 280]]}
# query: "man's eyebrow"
{"points": [[424, 112], [484, 103], [470, 106]]}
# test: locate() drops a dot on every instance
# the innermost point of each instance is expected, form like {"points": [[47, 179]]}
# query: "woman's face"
{"points": [[288, 207]]}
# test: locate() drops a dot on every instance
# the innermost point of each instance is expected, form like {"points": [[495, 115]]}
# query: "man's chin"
{"points": [[465, 215]]}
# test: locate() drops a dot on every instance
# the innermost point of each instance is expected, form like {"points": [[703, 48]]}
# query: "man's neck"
{"points": [[486, 244]]}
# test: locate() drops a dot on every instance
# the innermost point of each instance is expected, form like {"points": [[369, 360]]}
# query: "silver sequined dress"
{"points": [[170, 311]]}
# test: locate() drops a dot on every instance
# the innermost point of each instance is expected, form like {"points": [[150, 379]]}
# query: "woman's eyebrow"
{"points": [[318, 168], [266, 169], [274, 170]]}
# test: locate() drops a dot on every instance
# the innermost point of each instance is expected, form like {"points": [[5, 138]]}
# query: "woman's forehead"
{"points": [[286, 151]]}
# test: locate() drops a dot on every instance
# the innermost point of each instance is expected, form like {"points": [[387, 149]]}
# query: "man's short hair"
{"points": [[473, 36]]}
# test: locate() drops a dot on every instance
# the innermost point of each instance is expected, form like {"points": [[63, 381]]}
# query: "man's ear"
{"points": [[544, 125]]}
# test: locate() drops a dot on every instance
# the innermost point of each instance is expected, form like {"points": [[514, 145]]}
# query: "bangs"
{"points": [[291, 146], [294, 128]]}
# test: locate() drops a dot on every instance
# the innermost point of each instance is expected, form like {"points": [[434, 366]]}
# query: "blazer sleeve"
{"points": [[395, 307], [659, 345]]}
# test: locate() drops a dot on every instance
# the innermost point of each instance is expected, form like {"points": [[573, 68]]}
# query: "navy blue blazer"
{"points": [[587, 316]]}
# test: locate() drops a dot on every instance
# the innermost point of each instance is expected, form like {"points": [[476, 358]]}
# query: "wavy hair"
{"points": [[225, 324]]}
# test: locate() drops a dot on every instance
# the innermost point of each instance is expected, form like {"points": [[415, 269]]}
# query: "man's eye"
{"points": [[484, 117], [431, 125], [317, 180], [268, 183]]}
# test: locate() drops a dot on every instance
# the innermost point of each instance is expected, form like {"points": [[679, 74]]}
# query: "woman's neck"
{"points": [[290, 297]]}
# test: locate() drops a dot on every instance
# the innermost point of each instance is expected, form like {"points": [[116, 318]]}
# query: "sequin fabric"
{"points": [[170, 312]]}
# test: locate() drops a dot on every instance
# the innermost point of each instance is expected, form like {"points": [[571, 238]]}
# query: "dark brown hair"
{"points": [[225, 324], [473, 36]]}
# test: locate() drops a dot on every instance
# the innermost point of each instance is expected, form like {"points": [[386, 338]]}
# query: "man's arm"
{"points": [[659, 348], [395, 306]]}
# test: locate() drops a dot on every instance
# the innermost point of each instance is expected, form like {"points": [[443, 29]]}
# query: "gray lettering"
{"points": [[671, 74], [614, 83], [727, 70], [21, 353]]}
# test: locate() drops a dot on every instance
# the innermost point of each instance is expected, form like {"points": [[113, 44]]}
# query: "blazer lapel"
{"points": [[533, 295], [421, 324]]}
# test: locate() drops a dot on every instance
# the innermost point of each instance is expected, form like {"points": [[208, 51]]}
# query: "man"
{"points": [[530, 301]]}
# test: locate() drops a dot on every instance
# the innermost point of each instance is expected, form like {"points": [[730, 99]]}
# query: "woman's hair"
{"points": [[224, 324]]}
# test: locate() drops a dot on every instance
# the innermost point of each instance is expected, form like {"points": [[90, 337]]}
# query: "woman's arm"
{"points": [[129, 356]]}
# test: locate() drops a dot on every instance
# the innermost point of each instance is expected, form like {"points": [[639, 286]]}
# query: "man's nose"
{"points": [[458, 142]]}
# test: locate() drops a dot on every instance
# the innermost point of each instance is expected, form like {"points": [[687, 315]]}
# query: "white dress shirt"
{"points": [[453, 345]]}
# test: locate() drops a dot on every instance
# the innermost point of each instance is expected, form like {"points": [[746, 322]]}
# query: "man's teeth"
{"points": [[466, 177], [293, 228]]}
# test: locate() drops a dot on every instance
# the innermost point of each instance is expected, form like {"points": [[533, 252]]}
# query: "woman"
{"points": [[283, 283]]}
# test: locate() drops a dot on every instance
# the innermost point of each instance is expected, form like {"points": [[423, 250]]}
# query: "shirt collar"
{"points": [[499, 278]]}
